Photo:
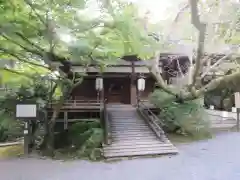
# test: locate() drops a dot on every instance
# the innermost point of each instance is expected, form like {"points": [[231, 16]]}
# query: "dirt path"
{"points": [[216, 159]]}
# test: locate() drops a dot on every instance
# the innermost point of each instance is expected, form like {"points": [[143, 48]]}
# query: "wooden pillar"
{"points": [[133, 87], [133, 94], [65, 121]]}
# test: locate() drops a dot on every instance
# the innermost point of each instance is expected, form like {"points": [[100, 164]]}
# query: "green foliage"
{"points": [[35, 91], [186, 118], [84, 140], [10, 129], [115, 31]]}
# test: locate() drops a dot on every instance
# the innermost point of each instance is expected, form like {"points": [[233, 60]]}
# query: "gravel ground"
{"points": [[216, 159]]}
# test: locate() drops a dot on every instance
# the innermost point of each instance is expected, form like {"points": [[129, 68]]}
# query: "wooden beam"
{"points": [[65, 120]]}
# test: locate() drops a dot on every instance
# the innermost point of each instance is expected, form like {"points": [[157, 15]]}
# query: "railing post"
{"points": [[238, 119]]}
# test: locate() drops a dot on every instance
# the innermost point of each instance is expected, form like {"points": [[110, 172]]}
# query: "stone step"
{"points": [[127, 121], [136, 146], [129, 130], [122, 127], [131, 136], [135, 138], [128, 125], [132, 142], [125, 109], [140, 152], [120, 134]]}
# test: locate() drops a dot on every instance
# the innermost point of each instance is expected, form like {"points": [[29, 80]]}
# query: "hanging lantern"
{"points": [[99, 83], [141, 84]]}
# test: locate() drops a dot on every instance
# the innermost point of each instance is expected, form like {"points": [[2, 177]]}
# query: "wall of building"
{"points": [[122, 93], [86, 90]]}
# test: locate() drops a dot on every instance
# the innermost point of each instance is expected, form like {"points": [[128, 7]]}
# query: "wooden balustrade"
{"points": [[78, 104], [105, 119], [152, 120]]}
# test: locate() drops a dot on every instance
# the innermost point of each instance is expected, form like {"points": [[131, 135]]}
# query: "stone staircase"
{"points": [[131, 136]]}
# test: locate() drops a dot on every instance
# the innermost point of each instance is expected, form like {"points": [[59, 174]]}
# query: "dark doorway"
{"points": [[117, 90]]}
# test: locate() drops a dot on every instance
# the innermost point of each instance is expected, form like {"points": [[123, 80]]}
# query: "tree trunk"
{"points": [[48, 142]]}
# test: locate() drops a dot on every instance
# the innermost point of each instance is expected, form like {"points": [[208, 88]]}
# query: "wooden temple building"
{"points": [[120, 80], [130, 126]]}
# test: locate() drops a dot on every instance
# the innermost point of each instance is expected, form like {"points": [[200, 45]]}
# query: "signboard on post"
{"points": [[27, 112]]}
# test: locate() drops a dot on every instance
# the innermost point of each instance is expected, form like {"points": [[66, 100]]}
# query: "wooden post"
{"points": [[26, 138], [238, 119], [65, 121], [237, 104]]}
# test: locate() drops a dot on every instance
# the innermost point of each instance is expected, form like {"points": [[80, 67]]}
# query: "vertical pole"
{"points": [[26, 138], [65, 121], [97, 96], [238, 119]]}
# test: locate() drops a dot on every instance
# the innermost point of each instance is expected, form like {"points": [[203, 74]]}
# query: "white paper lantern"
{"points": [[141, 84], [99, 83], [234, 109]]}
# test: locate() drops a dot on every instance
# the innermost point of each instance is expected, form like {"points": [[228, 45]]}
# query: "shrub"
{"points": [[82, 140], [187, 118]]}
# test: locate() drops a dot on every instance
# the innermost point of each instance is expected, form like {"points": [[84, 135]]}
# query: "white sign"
{"points": [[26, 110], [237, 99]]}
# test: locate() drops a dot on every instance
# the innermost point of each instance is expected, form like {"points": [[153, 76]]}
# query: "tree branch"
{"points": [[20, 45], [16, 72], [214, 65], [14, 54], [154, 70], [201, 27], [28, 41], [34, 10]]}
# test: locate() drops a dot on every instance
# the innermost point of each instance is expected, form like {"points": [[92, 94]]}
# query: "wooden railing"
{"points": [[78, 104], [105, 119], [152, 120]]}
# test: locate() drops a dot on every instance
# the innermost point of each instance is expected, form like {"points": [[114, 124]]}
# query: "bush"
{"points": [[188, 118], [82, 140], [36, 91], [10, 129]]}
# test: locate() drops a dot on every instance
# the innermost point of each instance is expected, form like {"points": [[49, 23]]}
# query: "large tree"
{"points": [[36, 34], [39, 34], [199, 28]]}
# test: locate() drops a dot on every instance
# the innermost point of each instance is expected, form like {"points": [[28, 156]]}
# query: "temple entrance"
{"points": [[115, 93], [117, 90]]}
